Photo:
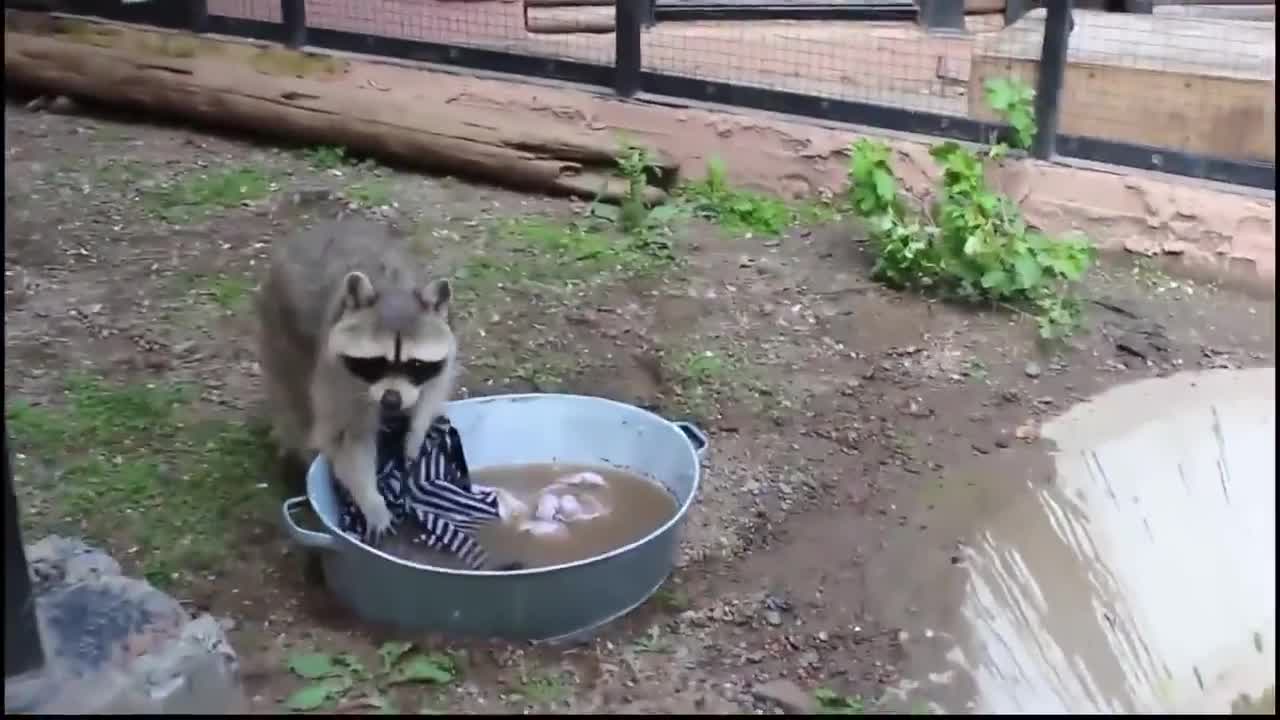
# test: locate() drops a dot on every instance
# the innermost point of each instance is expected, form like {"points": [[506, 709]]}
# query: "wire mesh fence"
{"points": [[1202, 85], [890, 63], [1187, 88], [489, 24]]}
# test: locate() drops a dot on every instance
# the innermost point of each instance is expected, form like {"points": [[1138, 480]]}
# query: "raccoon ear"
{"points": [[358, 290], [436, 295]]}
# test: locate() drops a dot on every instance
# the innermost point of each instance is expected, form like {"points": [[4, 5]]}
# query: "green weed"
{"points": [[326, 157], [972, 244], [373, 193], [706, 380], [833, 703], [1014, 100], [545, 689], [333, 678], [196, 195], [131, 468], [736, 210]]}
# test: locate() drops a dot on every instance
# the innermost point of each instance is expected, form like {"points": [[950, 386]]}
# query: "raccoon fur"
{"points": [[351, 330]]}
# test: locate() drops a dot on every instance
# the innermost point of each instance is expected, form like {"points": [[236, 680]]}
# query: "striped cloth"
{"points": [[431, 498]]}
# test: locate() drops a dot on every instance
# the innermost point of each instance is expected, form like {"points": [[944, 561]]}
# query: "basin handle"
{"points": [[305, 538], [697, 438]]}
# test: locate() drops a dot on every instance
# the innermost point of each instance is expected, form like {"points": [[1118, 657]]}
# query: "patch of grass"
{"points": [[749, 213], [122, 175], [545, 688], [195, 195], [672, 600], [706, 380], [833, 703], [112, 134], [545, 369], [372, 193], [326, 157], [343, 678], [739, 211], [544, 254], [135, 471], [654, 642], [229, 292]]}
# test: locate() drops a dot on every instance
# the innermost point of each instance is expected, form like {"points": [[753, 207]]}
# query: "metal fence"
{"points": [[1173, 87]]}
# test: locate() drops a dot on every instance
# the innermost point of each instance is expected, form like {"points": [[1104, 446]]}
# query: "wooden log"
{"points": [[225, 88], [551, 20], [567, 3]]}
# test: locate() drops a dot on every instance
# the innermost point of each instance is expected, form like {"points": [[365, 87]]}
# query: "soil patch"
{"points": [[835, 407]]}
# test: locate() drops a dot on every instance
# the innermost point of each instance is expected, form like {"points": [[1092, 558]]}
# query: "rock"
{"points": [[787, 695], [1032, 369], [63, 105], [115, 644], [57, 561], [773, 617]]}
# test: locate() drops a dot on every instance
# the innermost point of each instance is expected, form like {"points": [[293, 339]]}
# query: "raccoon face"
{"points": [[395, 342]]}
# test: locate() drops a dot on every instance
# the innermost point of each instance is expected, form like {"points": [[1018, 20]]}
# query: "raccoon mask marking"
{"points": [[396, 341]]}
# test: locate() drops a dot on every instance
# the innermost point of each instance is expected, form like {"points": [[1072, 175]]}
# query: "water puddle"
{"points": [[1140, 578]]}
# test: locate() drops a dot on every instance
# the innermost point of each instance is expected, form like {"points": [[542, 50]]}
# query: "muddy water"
{"points": [[1133, 572], [632, 507]]}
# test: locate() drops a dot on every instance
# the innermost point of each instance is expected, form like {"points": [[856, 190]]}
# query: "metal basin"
{"points": [[543, 604]]}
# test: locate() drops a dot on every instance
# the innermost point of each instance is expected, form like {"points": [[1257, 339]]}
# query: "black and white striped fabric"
{"points": [[431, 498]]}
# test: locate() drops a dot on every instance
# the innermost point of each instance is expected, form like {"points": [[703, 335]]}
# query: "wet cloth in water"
{"points": [[431, 498]]}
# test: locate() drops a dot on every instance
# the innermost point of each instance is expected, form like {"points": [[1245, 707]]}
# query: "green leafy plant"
{"points": [[327, 157], [343, 677], [973, 243], [1014, 100], [737, 210], [635, 164], [832, 703]]}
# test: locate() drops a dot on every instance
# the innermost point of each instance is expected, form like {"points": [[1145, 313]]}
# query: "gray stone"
{"points": [[115, 644], [786, 695], [57, 560]]}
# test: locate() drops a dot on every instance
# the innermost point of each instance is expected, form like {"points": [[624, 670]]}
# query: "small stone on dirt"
{"points": [[787, 695], [1032, 369]]}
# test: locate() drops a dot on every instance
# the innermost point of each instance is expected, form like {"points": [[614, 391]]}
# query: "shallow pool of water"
{"points": [[1140, 578]]}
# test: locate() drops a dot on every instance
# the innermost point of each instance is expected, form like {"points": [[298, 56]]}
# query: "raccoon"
{"points": [[351, 332]]}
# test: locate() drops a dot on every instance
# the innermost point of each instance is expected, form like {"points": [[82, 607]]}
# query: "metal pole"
{"points": [[22, 649], [197, 15], [941, 15], [650, 13], [293, 16], [629, 17], [1053, 68]]}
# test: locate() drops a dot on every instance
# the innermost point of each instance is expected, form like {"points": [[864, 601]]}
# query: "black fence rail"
{"points": [[1156, 86]]}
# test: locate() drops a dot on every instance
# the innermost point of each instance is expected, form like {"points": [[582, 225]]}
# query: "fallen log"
{"points": [[582, 19], [568, 3], [120, 66]]}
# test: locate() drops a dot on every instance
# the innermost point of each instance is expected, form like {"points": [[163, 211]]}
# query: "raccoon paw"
{"points": [[378, 523]]}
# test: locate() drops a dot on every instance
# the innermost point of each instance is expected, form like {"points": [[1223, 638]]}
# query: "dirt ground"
{"points": [[835, 408]]}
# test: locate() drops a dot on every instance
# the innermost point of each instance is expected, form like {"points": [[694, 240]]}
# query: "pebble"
{"points": [[773, 617], [1032, 369]]}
